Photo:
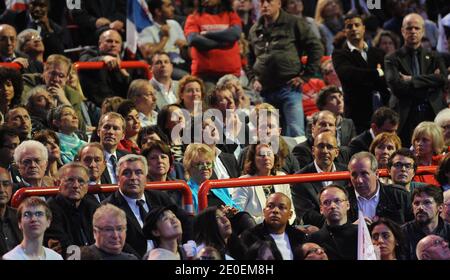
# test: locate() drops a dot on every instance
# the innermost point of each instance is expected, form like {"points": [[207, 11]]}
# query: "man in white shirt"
{"points": [[165, 88]]}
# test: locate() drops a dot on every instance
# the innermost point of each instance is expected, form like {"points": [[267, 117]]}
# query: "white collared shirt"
{"points": [[369, 206], [146, 120], [333, 169], [169, 95], [109, 166], [363, 52], [282, 242]]}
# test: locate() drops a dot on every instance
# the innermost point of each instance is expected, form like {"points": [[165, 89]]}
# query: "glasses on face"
{"points": [[203, 165], [317, 250], [265, 154], [29, 161], [30, 214], [400, 165], [337, 201], [34, 38], [112, 230]]}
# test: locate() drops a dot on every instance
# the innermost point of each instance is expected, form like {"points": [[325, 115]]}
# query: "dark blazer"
{"points": [[106, 177], [347, 131], [10, 219], [230, 163], [70, 225], [427, 85], [394, 203], [260, 232], [135, 236], [305, 196], [340, 242], [361, 143], [359, 80], [304, 155]]}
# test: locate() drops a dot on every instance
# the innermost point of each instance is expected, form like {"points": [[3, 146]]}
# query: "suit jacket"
{"points": [[361, 143], [106, 177], [10, 219], [230, 163], [394, 203], [304, 155], [70, 225], [427, 85], [153, 198], [347, 131], [261, 232], [359, 80], [340, 242], [305, 196]]}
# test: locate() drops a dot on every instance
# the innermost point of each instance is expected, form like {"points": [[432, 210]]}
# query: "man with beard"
{"points": [[427, 204], [337, 236], [275, 227], [373, 198]]}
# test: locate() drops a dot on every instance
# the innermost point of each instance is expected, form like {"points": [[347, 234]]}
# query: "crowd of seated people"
{"points": [[238, 89]]}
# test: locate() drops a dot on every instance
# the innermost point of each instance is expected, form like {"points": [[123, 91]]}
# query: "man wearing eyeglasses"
{"points": [[137, 202], [304, 195], [9, 230], [433, 247], [373, 198], [427, 204], [110, 231], [337, 236], [402, 169], [72, 212]]}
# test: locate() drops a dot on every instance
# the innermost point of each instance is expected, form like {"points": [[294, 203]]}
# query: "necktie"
{"points": [[142, 212], [415, 67], [113, 163]]}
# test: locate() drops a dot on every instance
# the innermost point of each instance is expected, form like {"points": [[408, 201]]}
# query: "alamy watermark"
{"points": [[373, 4], [73, 4]]}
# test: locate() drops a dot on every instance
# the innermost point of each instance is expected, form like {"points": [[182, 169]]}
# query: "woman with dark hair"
{"points": [[151, 134], [387, 41], [329, 17], [11, 87], [171, 119], [263, 250], [213, 32], [51, 141], [128, 111], [260, 161], [388, 237], [443, 173], [213, 228]]}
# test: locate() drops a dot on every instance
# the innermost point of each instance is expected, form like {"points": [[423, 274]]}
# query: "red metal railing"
{"points": [[14, 65], [124, 64], [23, 193], [288, 179]]}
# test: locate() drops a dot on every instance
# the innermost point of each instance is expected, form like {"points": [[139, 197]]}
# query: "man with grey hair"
{"points": [[30, 45], [443, 121], [433, 247], [445, 213], [31, 158], [142, 93], [372, 197], [107, 220], [136, 201]]}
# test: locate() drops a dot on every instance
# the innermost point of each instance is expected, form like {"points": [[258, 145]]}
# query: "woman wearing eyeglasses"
{"points": [[388, 237], [34, 217], [260, 161], [198, 163]]}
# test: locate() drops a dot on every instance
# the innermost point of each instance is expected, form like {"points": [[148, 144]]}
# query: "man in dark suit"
{"points": [[305, 195], [416, 78], [137, 202], [331, 98], [9, 230], [383, 120], [111, 129], [373, 198], [72, 212], [277, 213], [322, 121], [359, 68]]}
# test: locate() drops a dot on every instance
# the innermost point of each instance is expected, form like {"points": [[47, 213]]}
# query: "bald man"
{"points": [[416, 78], [433, 247]]}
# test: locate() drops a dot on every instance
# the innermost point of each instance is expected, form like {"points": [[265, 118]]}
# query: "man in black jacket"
{"points": [[276, 228], [427, 204], [137, 202], [337, 236], [305, 195], [72, 212], [373, 198], [10, 233]]}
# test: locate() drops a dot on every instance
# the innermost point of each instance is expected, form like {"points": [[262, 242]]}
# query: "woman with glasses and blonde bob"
{"points": [[260, 161], [428, 146], [34, 218], [198, 164]]}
